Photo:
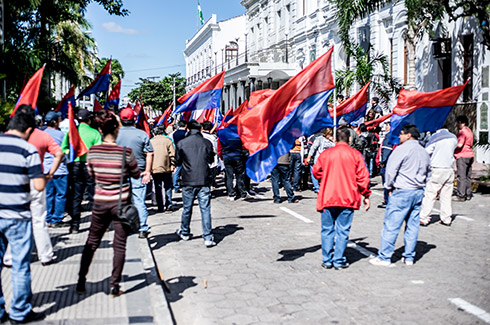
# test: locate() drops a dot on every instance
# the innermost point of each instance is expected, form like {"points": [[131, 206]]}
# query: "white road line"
{"points": [[296, 215], [360, 249], [472, 309], [464, 218]]}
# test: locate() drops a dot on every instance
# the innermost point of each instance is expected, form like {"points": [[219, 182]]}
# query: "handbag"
{"points": [[128, 214]]}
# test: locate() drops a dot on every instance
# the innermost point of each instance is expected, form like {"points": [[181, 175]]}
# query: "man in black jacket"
{"points": [[194, 153]]}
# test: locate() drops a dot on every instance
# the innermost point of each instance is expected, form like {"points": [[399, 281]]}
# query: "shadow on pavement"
{"points": [[66, 295], [257, 216], [178, 285], [161, 240], [70, 251], [223, 231], [294, 254], [421, 249]]}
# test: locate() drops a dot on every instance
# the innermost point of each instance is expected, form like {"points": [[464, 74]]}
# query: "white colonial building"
{"points": [[275, 39]]}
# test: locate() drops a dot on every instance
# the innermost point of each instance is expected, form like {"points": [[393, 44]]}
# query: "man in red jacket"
{"points": [[343, 179]]}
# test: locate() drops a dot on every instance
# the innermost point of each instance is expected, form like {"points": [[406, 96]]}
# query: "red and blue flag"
{"points": [[30, 93], [205, 96], [113, 98], [298, 108], [352, 108], [77, 147], [141, 120], [164, 118], [100, 83], [63, 104], [428, 111]]}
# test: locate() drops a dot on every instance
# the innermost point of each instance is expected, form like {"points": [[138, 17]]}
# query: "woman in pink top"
{"points": [[464, 159]]}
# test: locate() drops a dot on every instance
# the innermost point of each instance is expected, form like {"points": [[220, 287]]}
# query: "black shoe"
{"points": [[74, 229], [5, 318], [382, 206], [277, 201], [343, 266], [327, 266], [143, 234], [31, 317], [51, 261], [80, 287], [116, 291]]}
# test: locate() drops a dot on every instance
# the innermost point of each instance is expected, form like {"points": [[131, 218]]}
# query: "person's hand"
{"points": [[367, 203], [48, 177], [172, 169], [389, 192], [306, 161], [146, 178]]}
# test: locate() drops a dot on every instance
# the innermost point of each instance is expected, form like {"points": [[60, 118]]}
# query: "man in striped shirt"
{"points": [[19, 163]]}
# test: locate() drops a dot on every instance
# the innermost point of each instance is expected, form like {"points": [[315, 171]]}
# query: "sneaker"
{"points": [[327, 266], [248, 197], [51, 261], [277, 201], [424, 224], [80, 287], [143, 234], [115, 292], [459, 199], [209, 243], [445, 224], [382, 206], [230, 198], [183, 237], [343, 266], [31, 317], [407, 262], [74, 229], [376, 261]]}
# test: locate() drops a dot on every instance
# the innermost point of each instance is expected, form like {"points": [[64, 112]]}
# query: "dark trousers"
{"points": [[236, 168], [280, 174], [295, 170], [100, 220], [80, 181], [464, 177], [163, 184], [382, 171]]}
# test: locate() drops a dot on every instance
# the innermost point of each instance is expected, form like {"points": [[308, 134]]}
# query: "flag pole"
{"points": [[334, 99]]}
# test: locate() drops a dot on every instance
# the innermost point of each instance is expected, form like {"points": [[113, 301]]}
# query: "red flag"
{"points": [[163, 119], [375, 123], [77, 147], [259, 96], [114, 95], [29, 94], [142, 123], [63, 104], [205, 96], [97, 106], [136, 108]]}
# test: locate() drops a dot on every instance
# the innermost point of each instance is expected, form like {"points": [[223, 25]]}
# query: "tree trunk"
{"points": [[411, 35]]}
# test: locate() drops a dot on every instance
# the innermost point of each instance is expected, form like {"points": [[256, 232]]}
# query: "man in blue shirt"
{"points": [[406, 174], [19, 163], [139, 142], [57, 186]]}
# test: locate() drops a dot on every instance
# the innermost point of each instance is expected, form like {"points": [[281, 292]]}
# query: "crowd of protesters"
{"points": [[39, 189]]}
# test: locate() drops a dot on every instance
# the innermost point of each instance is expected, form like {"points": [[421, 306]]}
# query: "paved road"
{"points": [[266, 267]]}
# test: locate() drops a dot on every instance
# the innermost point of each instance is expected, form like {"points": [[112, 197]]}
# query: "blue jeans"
{"points": [[336, 224], [280, 173], [295, 169], [403, 205], [176, 178], [382, 171], [203, 194], [56, 198], [370, 162], [138, 191], [18, 234], [316, 183]]}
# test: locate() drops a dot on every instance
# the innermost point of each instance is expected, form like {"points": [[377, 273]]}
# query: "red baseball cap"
{"points": [[127, 114]]}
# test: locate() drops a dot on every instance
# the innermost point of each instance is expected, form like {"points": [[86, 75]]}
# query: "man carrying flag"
{"points": [[76, 143]]}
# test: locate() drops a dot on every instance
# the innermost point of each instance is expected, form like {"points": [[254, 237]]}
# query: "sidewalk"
{"points": [[54, 292]]}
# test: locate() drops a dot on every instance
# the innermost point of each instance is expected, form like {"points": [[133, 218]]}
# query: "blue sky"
{"points": [[149, 42]]}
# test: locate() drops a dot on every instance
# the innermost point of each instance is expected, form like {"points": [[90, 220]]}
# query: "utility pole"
{"points": [[174, 90]]}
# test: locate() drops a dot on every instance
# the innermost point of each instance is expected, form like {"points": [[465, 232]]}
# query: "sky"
{"points": [[149, 42]]}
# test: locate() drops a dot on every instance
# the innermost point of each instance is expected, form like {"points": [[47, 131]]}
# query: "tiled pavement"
{"points": [[54, 286], [266, 267]]}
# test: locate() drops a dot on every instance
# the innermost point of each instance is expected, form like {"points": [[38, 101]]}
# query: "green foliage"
{"points": [[158, 94], [367, 68], [54, 32], [6, 107]]}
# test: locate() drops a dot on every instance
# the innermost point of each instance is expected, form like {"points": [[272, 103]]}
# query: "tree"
{"points": [[367, 68], [54, 32], [158, 94]]}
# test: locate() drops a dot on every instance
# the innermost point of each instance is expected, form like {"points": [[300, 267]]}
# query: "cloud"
{"points": [[112, 27]]}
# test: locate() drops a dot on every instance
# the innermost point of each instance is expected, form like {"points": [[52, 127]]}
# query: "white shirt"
{"points": [[440, 148]]}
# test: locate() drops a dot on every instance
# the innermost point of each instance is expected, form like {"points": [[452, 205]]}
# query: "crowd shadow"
{"points": [[177, 287], [294, 254], [221, 232]]}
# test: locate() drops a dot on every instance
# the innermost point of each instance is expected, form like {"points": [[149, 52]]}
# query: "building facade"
{"points": [[281, 37]]}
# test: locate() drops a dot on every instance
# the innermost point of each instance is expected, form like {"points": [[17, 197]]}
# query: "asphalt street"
{"points": [[266, 266]]}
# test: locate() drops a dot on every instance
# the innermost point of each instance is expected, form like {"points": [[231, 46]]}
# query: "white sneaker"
{"points": [[230, 198], [183, 237], [407, 263], [209, 243], [376, 261]]}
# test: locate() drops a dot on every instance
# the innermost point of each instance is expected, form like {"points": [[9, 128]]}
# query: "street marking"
{"points": [[296, 215], [360, 249], [472, 309], [464, 218], [418, 282]]}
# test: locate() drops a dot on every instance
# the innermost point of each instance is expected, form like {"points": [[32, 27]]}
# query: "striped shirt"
{"points": [[19, 163], [104, 162]]}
